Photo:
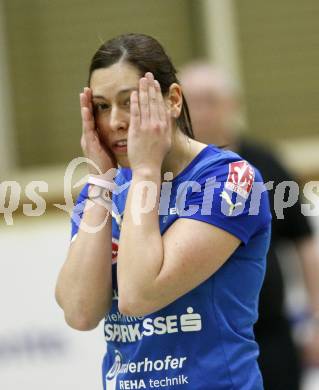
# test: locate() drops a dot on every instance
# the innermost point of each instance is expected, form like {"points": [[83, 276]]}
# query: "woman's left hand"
{"points": [[149, 134]]}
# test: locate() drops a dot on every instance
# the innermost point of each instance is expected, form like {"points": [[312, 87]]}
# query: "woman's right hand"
{"points": [[90, 142]]}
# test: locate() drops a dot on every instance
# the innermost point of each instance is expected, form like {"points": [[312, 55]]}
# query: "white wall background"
{"points": [[37, 349]]}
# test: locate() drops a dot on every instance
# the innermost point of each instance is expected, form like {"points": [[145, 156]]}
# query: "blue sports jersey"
{"points": [[204, 340]]}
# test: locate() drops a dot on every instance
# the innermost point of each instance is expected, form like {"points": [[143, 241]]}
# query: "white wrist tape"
{"points": [[100, 196], [97, 181]]}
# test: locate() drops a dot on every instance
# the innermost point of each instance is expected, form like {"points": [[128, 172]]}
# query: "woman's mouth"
{"points": [[120, 146]]}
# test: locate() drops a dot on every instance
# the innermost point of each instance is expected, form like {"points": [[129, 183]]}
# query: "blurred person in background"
{"points": [[215, 109]]}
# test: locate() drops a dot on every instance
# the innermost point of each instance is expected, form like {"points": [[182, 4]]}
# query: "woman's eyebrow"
{"points": [[121, 92], [98, 97]]}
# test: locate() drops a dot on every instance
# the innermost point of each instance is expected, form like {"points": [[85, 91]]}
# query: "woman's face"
{"points": [[111, 90]]}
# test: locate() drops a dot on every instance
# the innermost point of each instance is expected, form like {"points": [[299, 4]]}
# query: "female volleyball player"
{"points": [[177, 271]]}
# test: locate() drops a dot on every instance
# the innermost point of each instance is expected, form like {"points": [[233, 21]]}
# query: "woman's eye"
{"points": [[101, 106]]}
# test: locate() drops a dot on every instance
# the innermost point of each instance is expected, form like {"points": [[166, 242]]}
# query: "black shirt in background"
{"points": [[294, 227]]}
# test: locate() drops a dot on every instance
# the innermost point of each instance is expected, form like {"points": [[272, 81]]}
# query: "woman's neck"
{"points": [[182, 152]]}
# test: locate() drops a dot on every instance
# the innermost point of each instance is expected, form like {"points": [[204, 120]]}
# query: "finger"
{"points": [[143, 101], [86, 99], [88, 123], [84, 103], [88, 93], [161, 103], [152, 97], [135, 116], [83, 100]]}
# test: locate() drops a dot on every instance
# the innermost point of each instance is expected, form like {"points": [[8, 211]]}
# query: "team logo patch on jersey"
{"points": [[228, 200], [115, 247], [240, 178]]}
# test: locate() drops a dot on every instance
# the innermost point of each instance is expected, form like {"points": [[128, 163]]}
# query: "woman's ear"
{"points": [[175, 100]]}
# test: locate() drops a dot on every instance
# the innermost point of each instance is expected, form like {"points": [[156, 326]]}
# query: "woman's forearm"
{"points": [[84, 286], [140, 255], [309, 255]]}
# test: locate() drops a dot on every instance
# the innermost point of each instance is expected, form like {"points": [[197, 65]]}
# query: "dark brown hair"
{"points": [[147, 55]]}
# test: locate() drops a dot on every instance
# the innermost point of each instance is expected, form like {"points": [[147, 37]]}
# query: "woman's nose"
{"points": [[118, 120]]}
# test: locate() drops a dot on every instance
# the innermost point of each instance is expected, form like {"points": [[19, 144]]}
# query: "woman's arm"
{"points": [[152, 270], [155, 270], [84, 286]]}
